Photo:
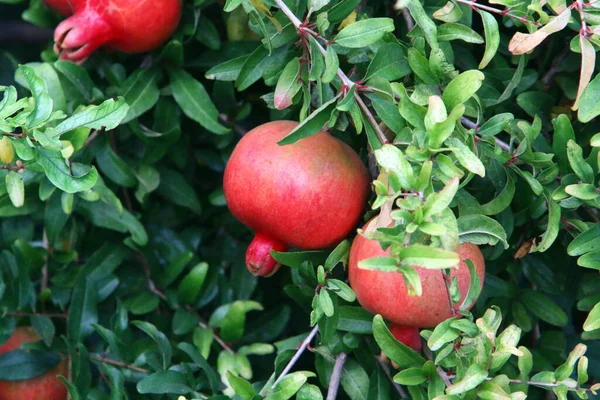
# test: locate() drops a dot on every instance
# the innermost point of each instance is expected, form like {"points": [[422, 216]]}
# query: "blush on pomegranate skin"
{"points": [[308, 195], [130, 26]]}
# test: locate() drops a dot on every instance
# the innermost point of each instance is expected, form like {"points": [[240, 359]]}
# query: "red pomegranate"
{"points": [[407, 335], [62, 6], [385, 293], [131, 26], [47, 386], [307, 195]]}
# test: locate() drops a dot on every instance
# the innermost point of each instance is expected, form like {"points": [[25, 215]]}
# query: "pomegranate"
{"points": [[44, 387], [407, 335], [131, 26], [307, 195], [385, 293], [62, 6]]}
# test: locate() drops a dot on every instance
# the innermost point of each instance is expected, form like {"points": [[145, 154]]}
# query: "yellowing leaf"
{"points": [[588, 61], [522, 43], [349, 20], [260, 6]]}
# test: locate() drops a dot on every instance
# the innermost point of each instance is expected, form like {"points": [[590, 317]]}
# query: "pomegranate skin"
{"points": [[44, 387], [385, 293], [62, 6], [130, 26], [308, 195], [407, 335]]}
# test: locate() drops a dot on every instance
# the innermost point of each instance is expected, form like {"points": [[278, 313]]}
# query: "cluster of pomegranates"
{"points": [[130, 26], [310, 195]]}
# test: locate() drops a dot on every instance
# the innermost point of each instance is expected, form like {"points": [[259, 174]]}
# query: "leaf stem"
{"points": [[334, 382], [116, 363]]}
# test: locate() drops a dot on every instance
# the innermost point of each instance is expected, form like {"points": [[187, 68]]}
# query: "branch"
{"points": [[344, 78], [386, 371], [221, 342], [120, 364], [334, 382], [505, 13], [472, 125], [299, 352]]}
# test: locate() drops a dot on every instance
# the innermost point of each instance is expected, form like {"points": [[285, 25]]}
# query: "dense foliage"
{"points": [[478, 123]]}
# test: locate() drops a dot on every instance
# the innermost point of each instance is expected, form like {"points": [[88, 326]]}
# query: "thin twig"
{"points": [[472, 125], [386, 370], [120, 364], [445, 377], [371, 119], [299, 352], [446, 279], [334, 382], [548, 76], [500, 12], [221, 342], [410, 24], [45, 278]]}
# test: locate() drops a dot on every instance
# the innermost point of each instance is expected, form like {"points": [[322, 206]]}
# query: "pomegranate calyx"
{"points": [[259, 260], [79, 35]]}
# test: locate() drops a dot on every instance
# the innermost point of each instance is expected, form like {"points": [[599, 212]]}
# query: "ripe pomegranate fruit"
{"points": [[62, 6], [308, 195], [131, 26], [407, 335], [44, 387], [385, 293]]}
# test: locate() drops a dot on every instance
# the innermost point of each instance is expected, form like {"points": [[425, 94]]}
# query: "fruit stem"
{"points": [[258, 256]]}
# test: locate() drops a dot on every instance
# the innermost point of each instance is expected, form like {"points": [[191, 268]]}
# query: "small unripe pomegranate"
{"points": [[44, 387], [386, 293], [407, 335], [307, 195], [131, 26]]}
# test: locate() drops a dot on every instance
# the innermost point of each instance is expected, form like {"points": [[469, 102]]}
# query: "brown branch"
{"points": [[386, 370], [371, 119], [334, 382], [120, 364], [467, 123]]}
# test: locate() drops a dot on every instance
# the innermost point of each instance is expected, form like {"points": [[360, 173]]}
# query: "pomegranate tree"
{"points": [[131, 26], [386, 293], [307, 195], [47, 386]]}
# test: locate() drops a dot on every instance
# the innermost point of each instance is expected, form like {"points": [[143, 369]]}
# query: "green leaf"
{"points": [[462, 88], [201, 362], [15, 188], [391, 159], [575, 155], [177, 189], [227, 71], [296, 259], [141, 92], [43, 103], [384, 264], [465, 156], [389, 63], [332, 64], [339, 254], [503, 200], [164, 347], [543, 307], [424, 22], [474, 287], [191, 285], [399, 353], [492, 37], [312, 124], [589, 103], [479, 229], [341, 289], [592, 322], [288, 386], [452, 31], [287, 85], [163, 382], [242, 387], [109, 217], [364, 33], [553, 226], [442, 334], [194, 101], [583, 191], [563, 133], [78, 77], [590, 260], [107, 115], [59, 173], [325, 303], [388, 112], [474, 376], [309, 392], [496, 124], [355, 380], [410, 377], [83, 311], [437, 202], [20, 364]]}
